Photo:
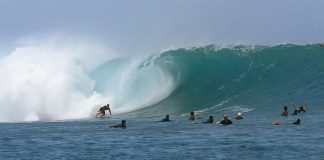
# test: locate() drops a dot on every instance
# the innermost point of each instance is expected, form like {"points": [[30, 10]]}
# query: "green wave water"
{"points": [[217, 79]]}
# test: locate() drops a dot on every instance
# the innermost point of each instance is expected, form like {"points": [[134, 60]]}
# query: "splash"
{"points": [[46, 81]]}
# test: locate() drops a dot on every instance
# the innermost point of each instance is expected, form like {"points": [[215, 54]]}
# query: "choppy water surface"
{"points": [[252, 138]]}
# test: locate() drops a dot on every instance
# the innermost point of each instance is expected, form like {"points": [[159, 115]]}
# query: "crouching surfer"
{"points": [[102, 111], [121, 125]]}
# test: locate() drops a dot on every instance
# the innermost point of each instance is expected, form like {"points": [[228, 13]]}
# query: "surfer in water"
{"points": [[166, 119], [102, 111], [301, 109], [295, 111], [226, 121], [121, 125], [192, 116], [285, 112], [279, 123], [297, 122], [238, 116], [210, 120]]}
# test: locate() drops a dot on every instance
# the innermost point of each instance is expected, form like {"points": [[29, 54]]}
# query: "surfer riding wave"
{"points": [[102, 111]]}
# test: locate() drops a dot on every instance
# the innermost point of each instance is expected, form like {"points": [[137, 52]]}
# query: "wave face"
{"points": [[208, 79], [241, 78]]}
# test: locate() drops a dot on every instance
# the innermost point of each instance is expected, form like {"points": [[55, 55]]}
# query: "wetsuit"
{"points": [[301, 109], [210, 120], [165, 120], [119, 126], [226, 122]]}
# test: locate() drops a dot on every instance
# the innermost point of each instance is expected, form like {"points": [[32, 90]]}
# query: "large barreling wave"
{"points": [[215, 79], [242, 78]]}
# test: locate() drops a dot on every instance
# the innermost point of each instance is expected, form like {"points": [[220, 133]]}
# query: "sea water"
{"points": [[251, 138], [47, 104]]}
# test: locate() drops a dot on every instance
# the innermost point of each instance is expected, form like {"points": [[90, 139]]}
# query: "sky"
{"points": [[129, 26]]}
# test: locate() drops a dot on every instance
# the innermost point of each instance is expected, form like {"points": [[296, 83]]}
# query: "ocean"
{"points": [[55, 120]]}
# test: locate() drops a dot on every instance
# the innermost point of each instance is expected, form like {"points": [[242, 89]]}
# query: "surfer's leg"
{"points": [[100, 114]]}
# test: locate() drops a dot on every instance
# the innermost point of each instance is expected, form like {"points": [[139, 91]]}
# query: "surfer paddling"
{"points": [[102, 111], [297, 122], [121, 125]]}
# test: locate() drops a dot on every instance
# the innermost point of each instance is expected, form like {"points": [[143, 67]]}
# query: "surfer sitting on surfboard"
{"points": [[239, 117], [192, 116], [102, 111], [226, 121], [285, 112]]}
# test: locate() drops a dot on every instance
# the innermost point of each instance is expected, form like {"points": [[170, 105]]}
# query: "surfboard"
{"points": [[102, 117]]}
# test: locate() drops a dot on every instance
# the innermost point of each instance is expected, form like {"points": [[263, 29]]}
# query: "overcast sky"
{"points": [[149, 25]]}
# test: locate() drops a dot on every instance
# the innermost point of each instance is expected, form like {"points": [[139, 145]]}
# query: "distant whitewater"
{"points": [[205, 79]]}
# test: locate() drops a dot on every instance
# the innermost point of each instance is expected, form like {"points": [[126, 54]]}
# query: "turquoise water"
{"points": [[221, 80], [211, 80], [252, 138]]}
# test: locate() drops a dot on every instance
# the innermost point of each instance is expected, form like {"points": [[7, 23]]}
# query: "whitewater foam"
{"points": [[47, 81]]}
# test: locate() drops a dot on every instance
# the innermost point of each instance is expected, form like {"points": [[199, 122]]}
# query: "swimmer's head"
{"points": [[239, 113], [285, 107]]}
